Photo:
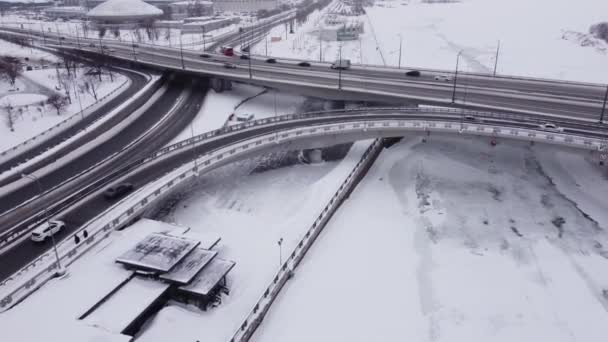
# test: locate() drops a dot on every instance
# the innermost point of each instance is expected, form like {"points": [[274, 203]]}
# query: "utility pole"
{"points": [[340, 69], [77, 38], [203, 28], [181, 50], [496, 58], [60, 271], [43, 36], [280, 243], [249, 53], [604, 106], [133, 46], [400, 44], [320, 46], [456, 77]]}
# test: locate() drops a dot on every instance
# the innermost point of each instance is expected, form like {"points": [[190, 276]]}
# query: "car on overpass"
{"points": [[444, 78], [550, 127], [229, 66], [413, 73], [46, 230], [118, 190], [304, 64]]}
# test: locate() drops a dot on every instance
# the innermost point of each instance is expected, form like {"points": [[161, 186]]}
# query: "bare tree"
{"points": [[10, 68], [58, 102], [10, 120], [91, 85]]}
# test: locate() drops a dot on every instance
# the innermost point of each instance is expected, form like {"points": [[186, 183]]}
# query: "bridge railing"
{"points": [[43, 268], [364, 113], [255, 316]]}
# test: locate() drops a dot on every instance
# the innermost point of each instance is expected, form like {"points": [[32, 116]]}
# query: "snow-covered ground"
{"points": [[530, 34], [36, 57], [454, 240], [251, 210], [32, 115], [217, 107]]}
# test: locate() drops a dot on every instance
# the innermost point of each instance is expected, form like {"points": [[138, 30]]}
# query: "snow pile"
{"points": [[124, 8], [463, 242]]}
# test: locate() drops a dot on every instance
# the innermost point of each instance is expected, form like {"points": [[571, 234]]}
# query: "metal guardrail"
{"points": [[63, 123], [43, 268], [261, 307]]}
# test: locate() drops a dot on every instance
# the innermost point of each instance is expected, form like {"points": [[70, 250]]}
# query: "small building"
{"points": [[65, 12], [241, 6], [207, 24], [339, 28], [181, 10]]}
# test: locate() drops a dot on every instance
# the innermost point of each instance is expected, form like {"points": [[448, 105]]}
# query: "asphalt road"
{"points": [[27, 250], [137, 82]]}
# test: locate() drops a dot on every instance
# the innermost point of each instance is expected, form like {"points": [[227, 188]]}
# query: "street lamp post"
{"points": [[133, 46], [496, 58], [604, 106], [280, 243], [340, 69], [456, 77], [43, 36], [181, 50], [60, 271], [400, 45], [249, 53]]}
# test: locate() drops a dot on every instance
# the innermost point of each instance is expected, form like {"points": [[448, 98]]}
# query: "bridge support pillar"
{"points": [[220, 85]]}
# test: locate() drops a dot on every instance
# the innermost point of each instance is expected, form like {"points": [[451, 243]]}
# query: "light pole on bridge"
{"points": [[604, 106], [496, 58], [456, 77], [60, 271], [181, 51], [400, 45]]}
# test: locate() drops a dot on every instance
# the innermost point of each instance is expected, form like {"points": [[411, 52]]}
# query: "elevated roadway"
{"points": [[159, 163]]}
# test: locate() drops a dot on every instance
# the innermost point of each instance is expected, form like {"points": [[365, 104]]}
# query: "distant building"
{"points": [[340, 28], [123, 12], [65, 12], [181, 10], [207, 24], [239, 6]]}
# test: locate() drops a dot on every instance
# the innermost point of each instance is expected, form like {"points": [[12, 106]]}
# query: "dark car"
{"points": [[92, 45], [135, 45], [413, 73], [229, 66], [204, 55], [29, 68], [304, 64], [271, 61], [62, 38], [244, 57], [117, 190]]}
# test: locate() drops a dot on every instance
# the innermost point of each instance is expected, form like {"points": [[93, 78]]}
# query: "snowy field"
{"points": [[530, 34], [454, 240], [251, 205], [217, 107], [32, 115]]}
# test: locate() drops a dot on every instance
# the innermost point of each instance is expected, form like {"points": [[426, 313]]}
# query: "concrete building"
{"points": [[65, 12], [240, 6], [181, 10], [207, 24]]}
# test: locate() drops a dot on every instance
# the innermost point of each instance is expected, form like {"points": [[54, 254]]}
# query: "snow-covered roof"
{"points": [[124, 9]]}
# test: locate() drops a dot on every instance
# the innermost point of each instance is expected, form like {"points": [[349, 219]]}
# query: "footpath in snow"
{"points": [[455, 240]]}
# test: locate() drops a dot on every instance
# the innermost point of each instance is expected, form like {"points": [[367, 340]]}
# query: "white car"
{"points": [[45, 230], [444, 78], [550, 127]]}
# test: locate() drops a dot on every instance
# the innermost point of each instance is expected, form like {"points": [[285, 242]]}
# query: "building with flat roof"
{"points": [[65, 12], [240, 6]]}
